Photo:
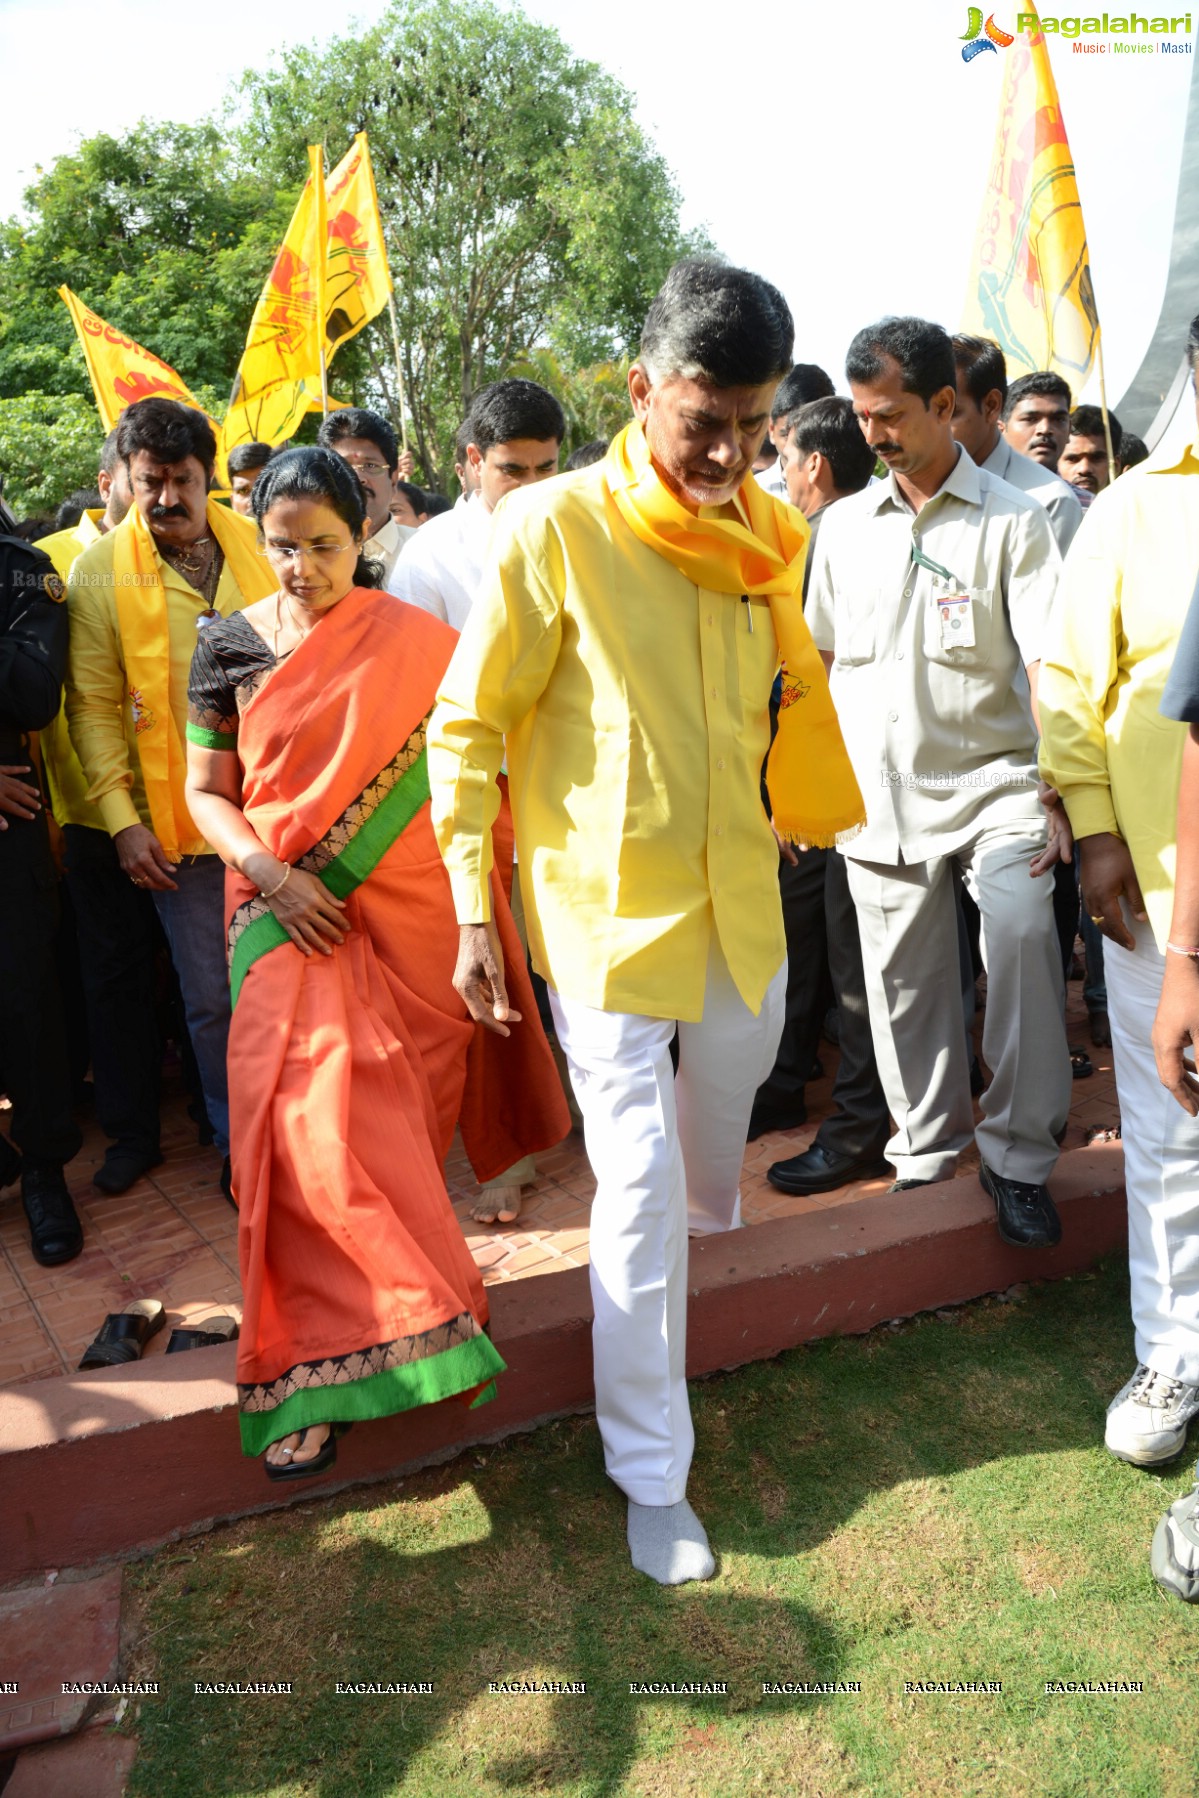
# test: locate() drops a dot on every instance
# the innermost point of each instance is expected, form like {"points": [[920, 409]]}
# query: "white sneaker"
{"points": [[1147, 1420]]}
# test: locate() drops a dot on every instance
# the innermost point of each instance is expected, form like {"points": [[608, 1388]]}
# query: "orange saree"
{"points": [[348, 1072]]}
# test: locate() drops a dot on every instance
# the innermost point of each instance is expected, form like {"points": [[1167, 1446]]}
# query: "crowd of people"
{"points": [[598, 797]]}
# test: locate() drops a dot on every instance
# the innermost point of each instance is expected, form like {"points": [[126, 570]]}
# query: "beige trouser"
{"points": [[908, 922]]}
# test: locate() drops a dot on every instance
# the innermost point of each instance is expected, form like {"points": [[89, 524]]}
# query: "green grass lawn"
{"points": [[927, 1503]]}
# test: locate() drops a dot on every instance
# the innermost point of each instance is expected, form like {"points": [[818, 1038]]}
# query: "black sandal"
{"points": [[1081, 1065], [209, 1334], [306, 1470], [123, 1335]]}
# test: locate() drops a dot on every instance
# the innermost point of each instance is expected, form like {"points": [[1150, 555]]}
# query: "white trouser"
{"points": [[1161, 1169], [667, 1158]]}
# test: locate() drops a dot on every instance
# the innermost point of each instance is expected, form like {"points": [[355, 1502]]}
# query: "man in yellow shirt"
{"points": [[624, 642], [114, 922], [137, 598], [1115, 761]]}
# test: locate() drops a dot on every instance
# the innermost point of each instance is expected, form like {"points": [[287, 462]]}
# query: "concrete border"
{"points": [[105, 1465]]}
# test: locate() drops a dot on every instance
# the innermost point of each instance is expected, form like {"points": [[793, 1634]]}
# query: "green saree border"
{"points": [[360, 857], [472, 1363], [211, 739]]}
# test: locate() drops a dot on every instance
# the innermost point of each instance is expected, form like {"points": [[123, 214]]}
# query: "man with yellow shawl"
{"points": [[626, 637], [137, 598]]}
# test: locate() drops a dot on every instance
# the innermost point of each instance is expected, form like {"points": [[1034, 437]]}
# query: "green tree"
{"points": [[160, 233], [49, 445], [523, 206]]}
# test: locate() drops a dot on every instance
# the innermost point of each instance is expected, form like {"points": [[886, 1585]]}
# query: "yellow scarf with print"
{"points": [[813, 791], [141, 606]]}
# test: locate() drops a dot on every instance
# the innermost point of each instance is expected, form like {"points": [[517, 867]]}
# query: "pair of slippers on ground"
{"points": [[123, 1335]]}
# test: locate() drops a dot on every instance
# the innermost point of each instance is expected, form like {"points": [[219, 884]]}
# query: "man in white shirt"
{"points": [[982, 392], [806, 382], [513, 437], [367, 442]]}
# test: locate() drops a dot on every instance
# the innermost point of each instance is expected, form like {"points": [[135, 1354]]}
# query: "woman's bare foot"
{"points": [[497, 1204], [299, 1448]]}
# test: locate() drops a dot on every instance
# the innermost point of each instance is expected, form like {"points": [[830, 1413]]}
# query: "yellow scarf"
{"points": [[813, 791], [141, 605]]}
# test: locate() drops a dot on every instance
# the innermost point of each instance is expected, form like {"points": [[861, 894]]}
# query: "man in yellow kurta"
{"points": [[1116, 761], [137, 598], [624, 643]]}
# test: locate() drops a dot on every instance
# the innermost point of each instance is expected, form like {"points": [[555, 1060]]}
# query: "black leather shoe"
{"points": [[122, 1166], [1027, 1216], [820, 1170], [765, 1118], [55, 1233]]}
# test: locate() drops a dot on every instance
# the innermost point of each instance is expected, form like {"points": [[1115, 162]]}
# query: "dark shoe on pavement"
{"points": [[820, 1170], [1174, 1556], [1026, 1214], [907, 1185], [765, 1118], [1101, 1030], [213, 1330], [123, 1166], [55, 1233], [123, 1335], [977, 1078]]}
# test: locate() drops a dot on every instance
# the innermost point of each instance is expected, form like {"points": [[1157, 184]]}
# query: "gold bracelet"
{"points": [[277, 889]]}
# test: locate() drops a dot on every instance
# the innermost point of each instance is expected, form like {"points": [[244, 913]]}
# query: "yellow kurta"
{"points": [[99, 711], [1128, 581], [636, 711], [65, 778]]}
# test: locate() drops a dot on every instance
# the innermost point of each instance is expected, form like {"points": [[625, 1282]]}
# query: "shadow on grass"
{"points": [[510, 1565]]}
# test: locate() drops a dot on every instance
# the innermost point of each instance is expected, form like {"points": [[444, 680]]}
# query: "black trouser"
{"points": [[116, 926], [33, 1056], [809, 989], [859, 1124]]}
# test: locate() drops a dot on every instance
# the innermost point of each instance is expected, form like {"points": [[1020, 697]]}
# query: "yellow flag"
{"points": [[121, 371], [1030, 285], [357, 277], [279, 376]]}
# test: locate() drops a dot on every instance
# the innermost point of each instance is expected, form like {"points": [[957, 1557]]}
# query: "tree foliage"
{"points": [[522, 204], [526, 215]]}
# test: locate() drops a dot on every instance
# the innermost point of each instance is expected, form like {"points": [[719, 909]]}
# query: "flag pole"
{"points": [[316, 161], [395, 341], [1107, 425]]}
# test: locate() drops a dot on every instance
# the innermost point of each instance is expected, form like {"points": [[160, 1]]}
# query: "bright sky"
{"points": [[842, 152]]}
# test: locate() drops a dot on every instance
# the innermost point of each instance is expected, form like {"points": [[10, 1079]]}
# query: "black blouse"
{"points": [[230, 663]]}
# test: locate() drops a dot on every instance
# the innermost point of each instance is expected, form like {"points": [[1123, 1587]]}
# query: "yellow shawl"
{"points": [[813, 790], [141, 606]]}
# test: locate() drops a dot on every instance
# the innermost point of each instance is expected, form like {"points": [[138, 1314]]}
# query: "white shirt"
{"points": [[1059, 499], [441, 569], [385, 547], [773, 479]]}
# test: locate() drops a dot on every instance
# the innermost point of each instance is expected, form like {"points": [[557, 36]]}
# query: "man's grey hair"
{"points": [[711, 322]]}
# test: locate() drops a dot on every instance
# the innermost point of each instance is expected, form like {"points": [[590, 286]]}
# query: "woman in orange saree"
{"points": [[350, 1055]]}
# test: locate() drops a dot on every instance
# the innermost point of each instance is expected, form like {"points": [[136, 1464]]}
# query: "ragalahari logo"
{"points": [[978, 37]]}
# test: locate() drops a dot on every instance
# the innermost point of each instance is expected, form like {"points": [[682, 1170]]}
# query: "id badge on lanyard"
{"points": [[955, 608]]}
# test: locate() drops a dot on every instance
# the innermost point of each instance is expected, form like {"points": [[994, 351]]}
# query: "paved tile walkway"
{"points": [[174, 1238]]}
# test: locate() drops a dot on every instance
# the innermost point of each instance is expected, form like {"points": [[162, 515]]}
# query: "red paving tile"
{"points": [[50, 1636], [173, 1237]]}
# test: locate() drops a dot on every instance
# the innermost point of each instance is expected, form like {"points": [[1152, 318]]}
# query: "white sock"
{"points": [[669, 1543]]}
